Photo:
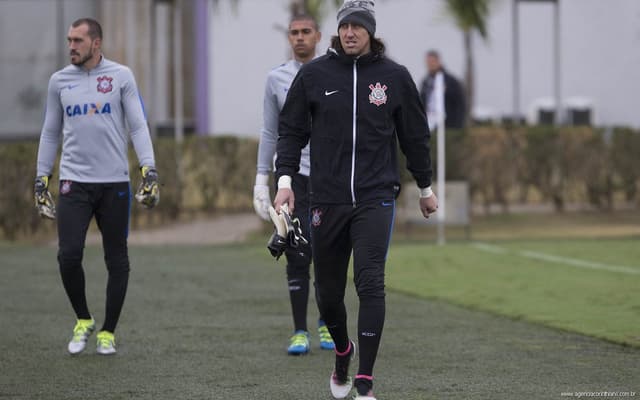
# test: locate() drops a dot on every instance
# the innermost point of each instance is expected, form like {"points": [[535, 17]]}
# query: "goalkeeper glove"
{"points": [[148, 193], [44, 201], [287, 232], [261, 197]]}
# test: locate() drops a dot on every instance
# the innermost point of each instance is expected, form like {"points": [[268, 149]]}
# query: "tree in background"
{"points": [[469, 16], [315, 8]]}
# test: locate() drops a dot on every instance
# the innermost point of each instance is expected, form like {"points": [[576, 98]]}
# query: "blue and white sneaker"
{"points": [[326, 342], [298, 343]]}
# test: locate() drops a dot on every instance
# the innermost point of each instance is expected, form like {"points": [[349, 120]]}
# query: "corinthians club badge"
{"points": [[104, 84], [316, 217], [66, 187], [378, 96]]}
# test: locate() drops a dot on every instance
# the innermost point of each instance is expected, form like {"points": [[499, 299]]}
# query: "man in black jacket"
{"points": [[439, 79], [353, 105]]}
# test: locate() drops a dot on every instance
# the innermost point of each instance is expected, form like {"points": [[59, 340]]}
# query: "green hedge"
{"points": [[502, 165], [566, 165], [203, 175], [17, 172]]}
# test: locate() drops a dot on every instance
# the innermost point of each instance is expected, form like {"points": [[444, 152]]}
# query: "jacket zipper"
{"points": [[353, 150]]}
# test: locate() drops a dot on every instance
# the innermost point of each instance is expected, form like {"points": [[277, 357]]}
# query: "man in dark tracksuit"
{"points": [[438, 78], [353, 104]]}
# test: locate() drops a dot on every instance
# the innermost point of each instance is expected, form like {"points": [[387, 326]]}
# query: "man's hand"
{"points": [[148, 193], [428, 205], [287, 232], [261, 197], [285, 194], [44, 201], [277, 243], [284, 234]]}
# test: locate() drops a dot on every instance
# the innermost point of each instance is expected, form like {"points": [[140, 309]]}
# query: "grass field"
{"points": [[212, 323], [588, 286]]}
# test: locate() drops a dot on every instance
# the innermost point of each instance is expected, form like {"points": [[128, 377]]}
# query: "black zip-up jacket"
{"points": [[353, 110]]}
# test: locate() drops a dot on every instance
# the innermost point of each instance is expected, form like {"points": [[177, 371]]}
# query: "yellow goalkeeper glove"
{"points": [[44, 201], [148, 193]]}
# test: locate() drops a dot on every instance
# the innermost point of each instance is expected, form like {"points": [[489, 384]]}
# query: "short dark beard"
{"points": [[84, 59]]}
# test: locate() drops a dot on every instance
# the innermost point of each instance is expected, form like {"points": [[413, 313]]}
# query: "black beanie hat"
{"points": [[358, 12]]}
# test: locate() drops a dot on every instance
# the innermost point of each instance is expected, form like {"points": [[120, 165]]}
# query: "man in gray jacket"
{"points": [[303, 37], [89, 106]]}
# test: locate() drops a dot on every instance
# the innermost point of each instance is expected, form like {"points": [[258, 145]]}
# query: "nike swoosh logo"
{"points": [[70, 86], [387, 204], [329, 93]]}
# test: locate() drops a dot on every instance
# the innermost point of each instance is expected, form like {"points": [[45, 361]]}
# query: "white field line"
{"points": [[489, 248], [574, 262]]}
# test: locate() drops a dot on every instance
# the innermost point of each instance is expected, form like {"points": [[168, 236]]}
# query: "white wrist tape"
{"points": [[262, 179], [284, 182], [426, 192]]}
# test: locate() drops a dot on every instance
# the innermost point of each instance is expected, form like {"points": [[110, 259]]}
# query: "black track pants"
{"points": [[299, 259], [110, 204], [336, 232]]}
